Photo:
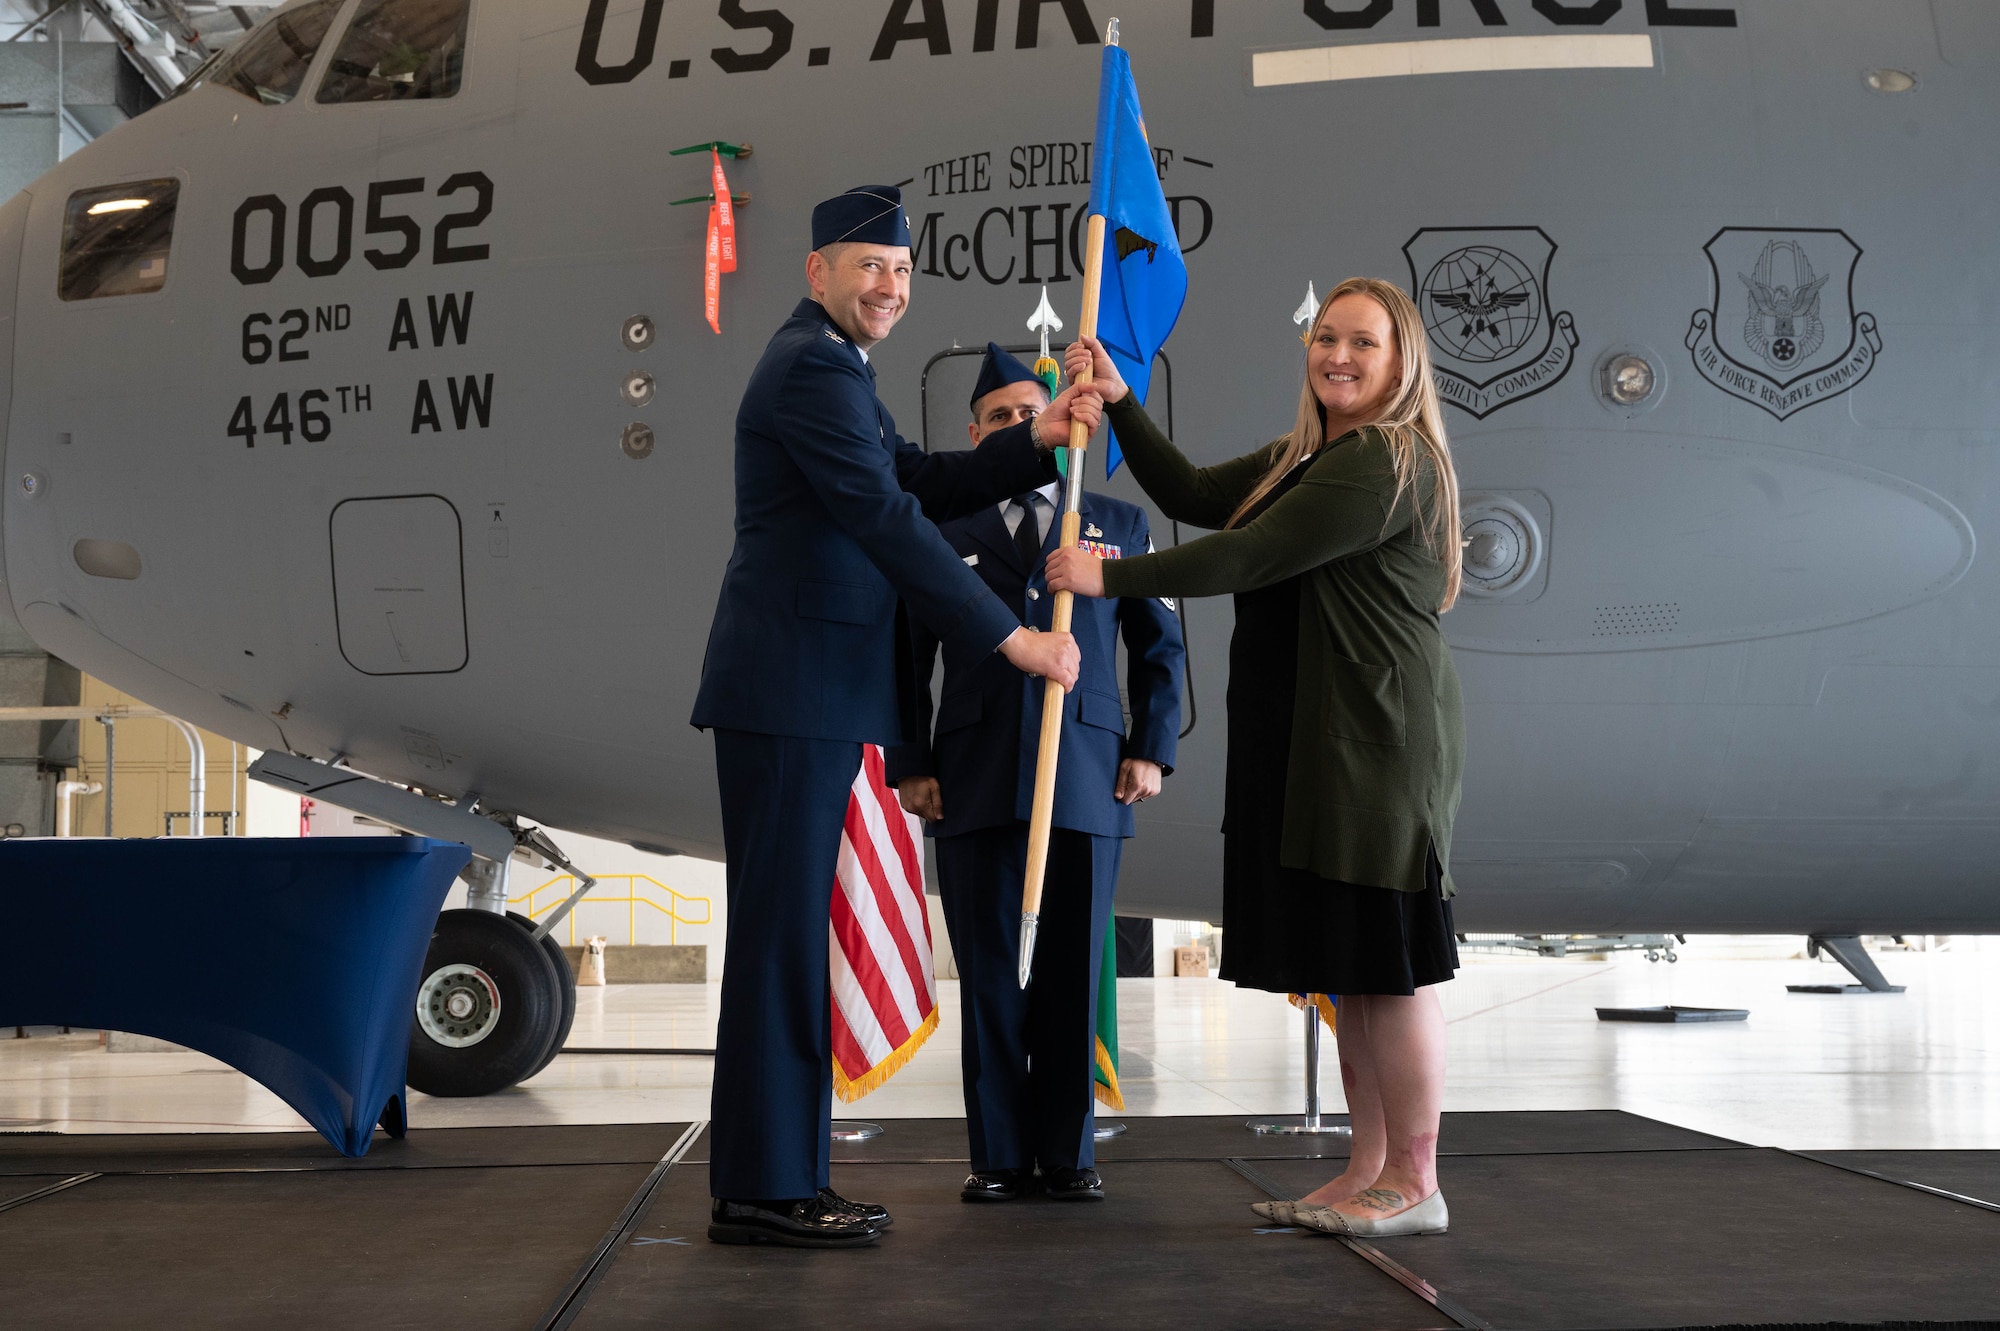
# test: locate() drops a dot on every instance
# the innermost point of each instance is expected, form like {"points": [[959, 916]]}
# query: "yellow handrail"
{"points": [[564, 884]]}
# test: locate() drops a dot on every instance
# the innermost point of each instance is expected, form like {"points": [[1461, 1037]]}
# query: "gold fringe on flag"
{"points": [[1107, 1090], [1320, 1001], [1050, 373], [850, 1091]]}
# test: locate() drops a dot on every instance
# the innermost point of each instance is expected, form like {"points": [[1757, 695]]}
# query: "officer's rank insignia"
{"points": [[835, 336], [1099, 548], [1092, 531]]}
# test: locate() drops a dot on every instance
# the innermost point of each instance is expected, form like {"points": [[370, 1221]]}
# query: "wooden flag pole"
{"points": [[1042, 811]]}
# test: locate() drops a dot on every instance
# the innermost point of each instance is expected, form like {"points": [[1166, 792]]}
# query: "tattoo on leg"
{"points": [[1380, 1199]]}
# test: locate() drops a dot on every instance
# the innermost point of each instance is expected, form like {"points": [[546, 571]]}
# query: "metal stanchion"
{"points": [[110, 724], [1309, 1122]]}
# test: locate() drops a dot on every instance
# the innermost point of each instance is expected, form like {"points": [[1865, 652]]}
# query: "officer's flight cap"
{"points": [[1000, 369], [865, 215]]}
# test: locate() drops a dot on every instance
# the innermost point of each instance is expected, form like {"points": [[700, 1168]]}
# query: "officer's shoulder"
{"points": [[815, 346], [824, 345]]}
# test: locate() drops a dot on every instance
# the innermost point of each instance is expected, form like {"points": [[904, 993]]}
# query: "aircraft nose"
{"points": [[13, 226]]}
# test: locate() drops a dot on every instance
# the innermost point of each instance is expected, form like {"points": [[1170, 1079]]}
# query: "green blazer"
{"points": [[1378, 726]]}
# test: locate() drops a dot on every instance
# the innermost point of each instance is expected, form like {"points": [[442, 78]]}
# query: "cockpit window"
{"points": [[116, 238], [270, 64], [399, 50]]}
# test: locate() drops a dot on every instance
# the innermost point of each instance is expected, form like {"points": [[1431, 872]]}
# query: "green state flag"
{"points": [[1106, 1070]]}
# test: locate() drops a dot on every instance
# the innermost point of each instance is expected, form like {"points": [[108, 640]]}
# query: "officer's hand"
{"points": [[1138, 779], [921, 795], [1089, 353], [1074, 570], [1080, 403], [1053, 655]]}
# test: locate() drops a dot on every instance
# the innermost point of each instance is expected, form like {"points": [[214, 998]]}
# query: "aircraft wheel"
{"points": [[565, 984], [487, 1007]]}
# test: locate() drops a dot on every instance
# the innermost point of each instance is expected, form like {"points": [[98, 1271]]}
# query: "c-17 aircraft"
{"points": [[361, 406]]}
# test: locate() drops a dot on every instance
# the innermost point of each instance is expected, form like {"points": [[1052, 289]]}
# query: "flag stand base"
{"points": [[1308, 1123], [1106, 1131], [1297, 1125], [852, 1130]]}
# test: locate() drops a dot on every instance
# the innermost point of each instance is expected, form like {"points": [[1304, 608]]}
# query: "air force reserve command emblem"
{"points": [[1783, 332], [1483, 293]]}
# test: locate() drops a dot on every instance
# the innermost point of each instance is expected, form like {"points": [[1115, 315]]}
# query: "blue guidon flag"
{"points": [[1145, 277]]}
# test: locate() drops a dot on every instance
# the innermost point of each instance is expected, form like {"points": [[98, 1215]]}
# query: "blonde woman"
{"points": [[1346, 738]]}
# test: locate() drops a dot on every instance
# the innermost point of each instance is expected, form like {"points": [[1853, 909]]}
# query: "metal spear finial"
{"points": [[1047, 369], [1309, 307], [1045, 321], [1304, 313]]}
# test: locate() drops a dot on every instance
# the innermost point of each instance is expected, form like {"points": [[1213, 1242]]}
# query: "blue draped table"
{"points": [[295, 961]]}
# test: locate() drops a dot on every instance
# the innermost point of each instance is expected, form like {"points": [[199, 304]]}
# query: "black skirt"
{"points": [[1289, 930], [1293, 932]]}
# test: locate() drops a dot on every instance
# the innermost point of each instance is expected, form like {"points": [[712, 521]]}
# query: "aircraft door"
{"points": [[399, 585]]}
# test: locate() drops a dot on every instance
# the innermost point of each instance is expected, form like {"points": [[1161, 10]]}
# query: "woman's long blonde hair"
{"points": [[1413, 423]]}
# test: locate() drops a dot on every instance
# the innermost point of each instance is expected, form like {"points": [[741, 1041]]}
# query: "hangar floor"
{"points": [[1562, 1220], [1917, 1070], [1834, 1160]]}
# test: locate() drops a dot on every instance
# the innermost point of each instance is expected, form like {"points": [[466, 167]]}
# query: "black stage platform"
{"points": [[1564, 1221]]}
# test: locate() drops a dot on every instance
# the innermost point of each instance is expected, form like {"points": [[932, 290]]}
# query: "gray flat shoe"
{"points": [[1428, 1216], [1276, 1212]]}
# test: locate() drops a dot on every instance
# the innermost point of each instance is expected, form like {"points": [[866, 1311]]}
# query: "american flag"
{"points": [[879, 940]]}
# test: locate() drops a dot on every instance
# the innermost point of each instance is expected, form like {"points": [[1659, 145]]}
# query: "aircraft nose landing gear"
{"points": [[490, 1010]]}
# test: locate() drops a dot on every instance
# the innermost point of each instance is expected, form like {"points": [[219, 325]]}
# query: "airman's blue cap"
{"points": [[866, 215], [1000, 369]]}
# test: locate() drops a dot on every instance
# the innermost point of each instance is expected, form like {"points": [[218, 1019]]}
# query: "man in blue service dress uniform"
{"points": [[808, 659], [1028, 1055]]}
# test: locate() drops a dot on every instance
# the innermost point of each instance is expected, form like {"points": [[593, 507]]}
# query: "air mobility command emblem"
{"points": [[1799, 340], [1484, 296]]}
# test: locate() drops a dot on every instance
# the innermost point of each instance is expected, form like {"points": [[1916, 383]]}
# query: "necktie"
{"points": [[1028, 535]]}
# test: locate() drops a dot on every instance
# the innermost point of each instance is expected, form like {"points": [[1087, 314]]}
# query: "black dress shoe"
{"points": [[878, 1216], [1073, 1185], [996, 1185], [804, 1223]]}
